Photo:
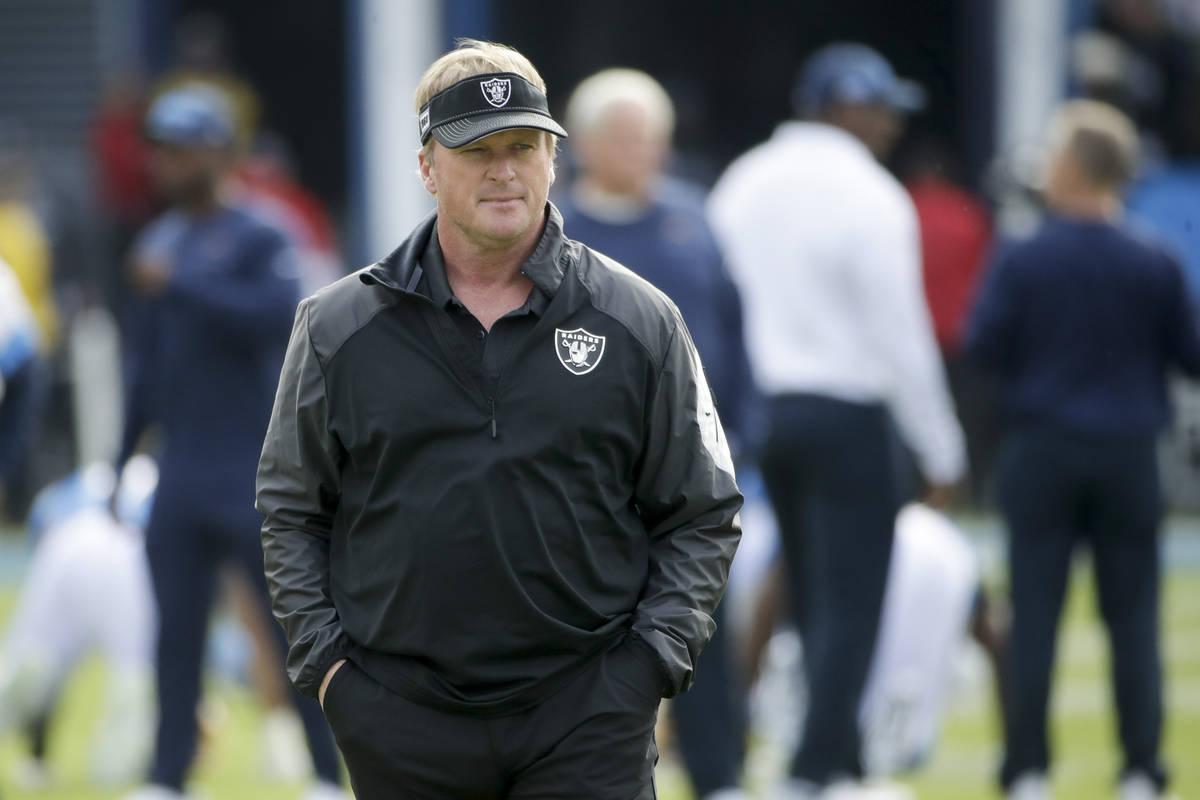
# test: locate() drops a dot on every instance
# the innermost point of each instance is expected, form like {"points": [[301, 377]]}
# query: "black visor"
{"points": [[482, 105]]}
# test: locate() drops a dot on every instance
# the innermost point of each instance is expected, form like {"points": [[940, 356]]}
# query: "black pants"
{"points": [[828, 468], [1058, 490], [186, 541], [592, 740]]}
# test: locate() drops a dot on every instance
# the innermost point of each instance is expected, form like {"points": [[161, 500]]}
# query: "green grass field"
{"points": [[962, 769]]}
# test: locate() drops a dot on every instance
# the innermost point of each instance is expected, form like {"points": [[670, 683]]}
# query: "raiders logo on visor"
{"points": [[497, 91]]}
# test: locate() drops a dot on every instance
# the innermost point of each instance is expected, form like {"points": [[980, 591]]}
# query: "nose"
{"points": [[501, 169]]}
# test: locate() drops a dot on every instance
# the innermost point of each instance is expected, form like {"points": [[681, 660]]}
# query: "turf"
{"points": [[1086, 756]]}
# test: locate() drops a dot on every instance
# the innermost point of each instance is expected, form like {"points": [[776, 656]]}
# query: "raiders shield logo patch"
{"points": [[578, 351], [497, 91]]}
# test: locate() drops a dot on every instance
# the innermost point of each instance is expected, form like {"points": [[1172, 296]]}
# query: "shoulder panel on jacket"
{"points": [[338, 311]]}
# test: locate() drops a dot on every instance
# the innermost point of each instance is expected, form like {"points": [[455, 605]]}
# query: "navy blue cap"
{"points": [[193, 116], [852, 73]]}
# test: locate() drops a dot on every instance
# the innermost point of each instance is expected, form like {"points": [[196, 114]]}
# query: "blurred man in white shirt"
{"points": [[824, 245]]}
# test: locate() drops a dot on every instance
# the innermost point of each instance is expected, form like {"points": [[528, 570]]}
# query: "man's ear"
{"points": [[426, 168]]}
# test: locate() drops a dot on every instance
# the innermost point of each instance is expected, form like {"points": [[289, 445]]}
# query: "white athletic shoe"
{"points": [[1030, 786], [854, 790], [31, 775], [325, 791], [727, 794], [156, 792], [1138, 786], [792, 789]]}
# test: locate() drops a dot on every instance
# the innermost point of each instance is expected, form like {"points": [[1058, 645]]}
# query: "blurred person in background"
{"points": [[261, 180], [24, 243], [823, 243], [1083, 321], [1156, 62], [25, 248], [931, 602], [86, 591], [956, 232], [935, 596], [19, 339], [219, 288], [621, 204]]}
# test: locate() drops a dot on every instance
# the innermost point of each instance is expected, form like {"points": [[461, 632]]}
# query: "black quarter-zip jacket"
{"points": [[471, 537]]}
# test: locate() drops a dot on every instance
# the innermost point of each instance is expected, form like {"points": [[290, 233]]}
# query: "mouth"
{"points": [[502, 200]]}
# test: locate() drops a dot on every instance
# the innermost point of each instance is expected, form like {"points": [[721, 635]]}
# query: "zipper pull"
{"points": [[493, 402]]}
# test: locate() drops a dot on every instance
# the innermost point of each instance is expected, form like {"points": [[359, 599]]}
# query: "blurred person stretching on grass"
{"points": [[500, 509], [218, 287], [1083, 321], [823, 243], [86, 591]]}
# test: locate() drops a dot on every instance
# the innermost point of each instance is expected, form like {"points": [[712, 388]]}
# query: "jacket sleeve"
{"points": [[298, 490], [257, 300], [139, 374], [689, 501], [885, 264]]}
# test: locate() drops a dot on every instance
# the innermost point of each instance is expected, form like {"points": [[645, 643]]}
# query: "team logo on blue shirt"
{"points": [[497, 91], [579, 351]]}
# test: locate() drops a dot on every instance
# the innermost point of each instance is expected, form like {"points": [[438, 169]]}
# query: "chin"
{"points": [[508, 226]]}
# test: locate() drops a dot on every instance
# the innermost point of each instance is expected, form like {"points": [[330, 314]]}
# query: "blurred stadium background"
{"points": [[332, 82]]}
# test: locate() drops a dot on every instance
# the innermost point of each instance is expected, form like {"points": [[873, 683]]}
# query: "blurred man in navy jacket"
{"points": [[1083, 322], [622, 205], [218, 288]]}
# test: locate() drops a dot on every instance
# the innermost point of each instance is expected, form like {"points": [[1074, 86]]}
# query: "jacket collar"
{"points": [[402, 272]]}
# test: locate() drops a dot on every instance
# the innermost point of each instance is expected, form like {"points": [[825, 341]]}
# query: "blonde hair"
{"points": [[596, 95], [473, 57], [1099, 138]]}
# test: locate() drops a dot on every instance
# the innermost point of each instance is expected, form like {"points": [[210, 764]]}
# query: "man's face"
{"points": [[884, 128], [493, 190], [185, 174], [876, 125], [624, 153]]}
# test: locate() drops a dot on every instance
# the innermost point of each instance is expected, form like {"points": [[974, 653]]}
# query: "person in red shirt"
{"points": [[956, 236], [956, 232]]}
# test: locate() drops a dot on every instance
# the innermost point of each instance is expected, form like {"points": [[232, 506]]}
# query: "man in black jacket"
{"points": [[500, 508]]}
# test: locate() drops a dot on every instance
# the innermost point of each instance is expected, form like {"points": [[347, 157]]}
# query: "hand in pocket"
{"points": [[333, 670]]}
